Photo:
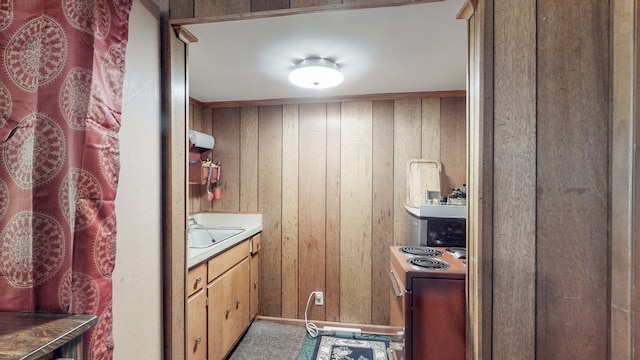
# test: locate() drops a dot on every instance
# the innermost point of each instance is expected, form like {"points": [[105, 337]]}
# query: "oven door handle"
{"points": [[394, 284]]}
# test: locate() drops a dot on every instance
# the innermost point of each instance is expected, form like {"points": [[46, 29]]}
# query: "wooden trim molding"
{"points": [[624, 170], [365, 328], [467, 10], [152, 7], [175, 192], [293, 101], [184, 35], [295, 11]]}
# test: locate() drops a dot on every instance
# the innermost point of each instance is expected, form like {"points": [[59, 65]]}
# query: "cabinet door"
{"points": [[197, 326], [216, 314], [253, 307], [228, 312], [236, 290]]}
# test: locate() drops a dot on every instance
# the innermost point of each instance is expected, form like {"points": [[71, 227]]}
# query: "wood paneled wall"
{"points": [[625, 174], [573, 210], [329, 179], [540, 164]]}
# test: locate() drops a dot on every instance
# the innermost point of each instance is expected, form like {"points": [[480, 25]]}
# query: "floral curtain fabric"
{"points": [[61, 82]]}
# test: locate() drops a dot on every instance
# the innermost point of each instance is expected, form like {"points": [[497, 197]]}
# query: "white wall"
{"points": [[137, 279]]}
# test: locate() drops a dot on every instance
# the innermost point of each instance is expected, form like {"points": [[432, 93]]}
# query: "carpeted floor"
{"points": [[269, 340]]}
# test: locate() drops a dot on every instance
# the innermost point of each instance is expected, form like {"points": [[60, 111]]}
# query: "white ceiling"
{"points": [[410, 48]]}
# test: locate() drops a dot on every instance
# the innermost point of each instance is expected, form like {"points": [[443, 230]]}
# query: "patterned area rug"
{"points": [[362, 347]]}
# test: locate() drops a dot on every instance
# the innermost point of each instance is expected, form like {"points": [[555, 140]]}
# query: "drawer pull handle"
{"points": [[255, 284], [227, 312], [396, 289], [237, 304], [198, 279], [198, 340]]}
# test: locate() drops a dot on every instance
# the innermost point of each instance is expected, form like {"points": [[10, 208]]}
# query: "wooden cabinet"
{"points": [[253, 294], [221, 300], [196, 279], [228, 314], [216, 316], [197, 313], [197, 330]]}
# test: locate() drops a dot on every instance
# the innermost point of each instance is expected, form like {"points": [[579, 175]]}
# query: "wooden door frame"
{"points": [[175, 105], [175, 191]]}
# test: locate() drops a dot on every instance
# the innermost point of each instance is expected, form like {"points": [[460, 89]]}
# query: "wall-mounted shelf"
{"points": [[198, 167]]}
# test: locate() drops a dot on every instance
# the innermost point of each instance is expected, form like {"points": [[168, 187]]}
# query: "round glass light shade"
{"points": [[316, 74]]}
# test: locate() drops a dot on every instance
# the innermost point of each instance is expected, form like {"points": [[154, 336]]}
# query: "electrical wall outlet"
{"points": [[319, 298]]}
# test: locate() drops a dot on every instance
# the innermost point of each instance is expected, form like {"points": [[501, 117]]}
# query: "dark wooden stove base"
{"points": [[435, 329]]}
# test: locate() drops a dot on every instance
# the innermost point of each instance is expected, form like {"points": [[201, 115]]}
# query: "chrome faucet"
{"points": [[191, 221]]}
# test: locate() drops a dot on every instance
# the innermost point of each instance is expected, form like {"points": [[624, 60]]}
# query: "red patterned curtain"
{"points": [[60, 104]]}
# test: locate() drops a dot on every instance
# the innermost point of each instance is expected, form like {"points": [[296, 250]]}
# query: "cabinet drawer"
{"points": [[255, 244], [223, 262], [196, 278]]}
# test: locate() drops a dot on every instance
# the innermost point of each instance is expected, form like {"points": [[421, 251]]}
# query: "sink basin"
{"points": [[205, 237]]}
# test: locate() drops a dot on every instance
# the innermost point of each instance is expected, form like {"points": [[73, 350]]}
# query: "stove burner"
{"points": [[428, 263], [421, 251]]}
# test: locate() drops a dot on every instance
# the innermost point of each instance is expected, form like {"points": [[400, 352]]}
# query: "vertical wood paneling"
{"points": [[181, 9], [369, 2], [270, 205], [207, 128], [265, 5], [310, 3], [454, 144], [249, 159], [195, 191], [382, 231], [573, 197], [226, 132], [515, 185], [332, 286], [200, 191], [301, 198], [407, 145], [206, 8], [195, 117], [312, 178], [624, 172], [431, 129], [356, 206], [635, 185], [290, 202]]}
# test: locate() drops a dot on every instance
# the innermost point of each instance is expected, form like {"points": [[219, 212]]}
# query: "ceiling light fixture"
{"points": [[316, 73]]}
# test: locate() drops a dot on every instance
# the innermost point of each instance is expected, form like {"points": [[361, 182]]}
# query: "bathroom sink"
{"points": [[205, 237]]}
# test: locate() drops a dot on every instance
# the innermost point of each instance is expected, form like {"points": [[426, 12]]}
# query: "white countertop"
{"points": [[440, 211], [250, 222]]}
